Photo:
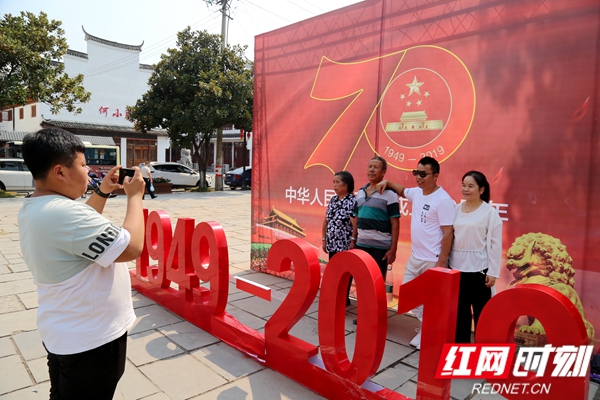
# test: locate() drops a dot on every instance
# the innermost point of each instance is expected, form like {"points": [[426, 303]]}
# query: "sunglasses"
{"points": [[422, 174]]}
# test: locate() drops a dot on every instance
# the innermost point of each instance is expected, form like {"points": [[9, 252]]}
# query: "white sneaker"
{"points": [[416, 342]]}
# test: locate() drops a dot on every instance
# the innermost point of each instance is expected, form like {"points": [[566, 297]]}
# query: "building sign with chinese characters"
{"points": [[108, 112]]}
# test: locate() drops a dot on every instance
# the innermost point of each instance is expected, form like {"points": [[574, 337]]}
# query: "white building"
{"points": [[113, 74]]}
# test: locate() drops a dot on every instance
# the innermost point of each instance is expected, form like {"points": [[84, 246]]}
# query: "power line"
{"points": [[302, 8], [244, 29], [314, 5], [157, 48], [254, 10], [269, 11]]}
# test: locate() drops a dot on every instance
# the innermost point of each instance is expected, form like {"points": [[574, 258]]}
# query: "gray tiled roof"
{"points": [[111, 43], [7, 136], [100, 127], [98, 140], [76, 53]]}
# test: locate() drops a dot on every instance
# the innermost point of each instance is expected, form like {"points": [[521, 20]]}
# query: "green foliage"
{"points": [[202, 190], [196, 89], [161, 180], [259, 250], [5, 195], [30, 47]]}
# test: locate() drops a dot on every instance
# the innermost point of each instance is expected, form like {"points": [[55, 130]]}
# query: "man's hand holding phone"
{"points": [[132, 181], [123, 172], [110, 182]]}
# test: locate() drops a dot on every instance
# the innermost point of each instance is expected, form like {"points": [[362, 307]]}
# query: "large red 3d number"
{"points": [[210, 259], [437, 290], [199, 254], [158, 242], [283, 349], [561, 320], [190, 255], [296, 358], [179, 261], [372, 316], [143, 261]]}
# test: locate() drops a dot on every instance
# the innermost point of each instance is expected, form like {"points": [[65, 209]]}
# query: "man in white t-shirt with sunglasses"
{"points": [[431, 231]]}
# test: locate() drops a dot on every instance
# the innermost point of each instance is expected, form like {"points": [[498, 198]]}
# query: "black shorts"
{"points": [[93, 374]]}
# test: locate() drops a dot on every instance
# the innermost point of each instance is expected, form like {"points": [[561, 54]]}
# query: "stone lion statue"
{"points": [[186, 157], [543, 259]]}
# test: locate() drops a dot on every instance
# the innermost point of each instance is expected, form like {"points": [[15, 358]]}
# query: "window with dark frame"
{"points": [[33, 111], [21, 113]]}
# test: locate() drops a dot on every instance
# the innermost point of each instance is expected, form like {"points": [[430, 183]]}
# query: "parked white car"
{"points": [[15, 176], [181, 176]]}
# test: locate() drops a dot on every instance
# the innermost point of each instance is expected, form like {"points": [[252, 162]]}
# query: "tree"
{"points": [[30, 48], [196, 89]]}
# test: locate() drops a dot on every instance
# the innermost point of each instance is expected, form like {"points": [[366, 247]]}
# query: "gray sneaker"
{"points": [[416, 342]]}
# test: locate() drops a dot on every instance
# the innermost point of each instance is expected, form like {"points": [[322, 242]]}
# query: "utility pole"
{"points": [[219, 145]]}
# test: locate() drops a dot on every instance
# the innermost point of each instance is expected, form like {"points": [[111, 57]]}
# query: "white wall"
{"points": [[27, 124], [163, 143], [123, 146], [114, 78]]}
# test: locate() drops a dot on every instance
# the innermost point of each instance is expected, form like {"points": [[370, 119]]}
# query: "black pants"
{"points": [[377, 255], [93, 374], [148, 185], [331, 254], [472, 293]]}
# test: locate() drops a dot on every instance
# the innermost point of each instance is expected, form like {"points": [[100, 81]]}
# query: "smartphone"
{"points": [[123, 172]]}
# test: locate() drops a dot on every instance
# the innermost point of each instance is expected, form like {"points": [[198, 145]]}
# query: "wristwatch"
{"points": [[100, 192]]}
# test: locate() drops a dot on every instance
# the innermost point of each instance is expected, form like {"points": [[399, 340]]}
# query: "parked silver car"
{"points": [[181, 176], [15, 176]]}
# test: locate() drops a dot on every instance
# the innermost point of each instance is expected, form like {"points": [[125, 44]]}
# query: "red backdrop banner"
{"points": [[509, 88]]}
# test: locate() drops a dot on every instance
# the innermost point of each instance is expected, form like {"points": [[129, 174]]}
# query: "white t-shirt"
{"points": [[146, 172], [477, 241], [429, 214], [84, 297]]}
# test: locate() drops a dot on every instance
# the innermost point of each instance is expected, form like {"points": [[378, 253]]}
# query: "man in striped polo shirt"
{"points": [[378, 217]]}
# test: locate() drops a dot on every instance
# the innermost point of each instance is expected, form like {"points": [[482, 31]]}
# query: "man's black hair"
{"points": [[433, 164], [49, 147]]}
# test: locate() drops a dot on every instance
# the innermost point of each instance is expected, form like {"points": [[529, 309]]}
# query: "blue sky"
{"points": [[150, 21]]}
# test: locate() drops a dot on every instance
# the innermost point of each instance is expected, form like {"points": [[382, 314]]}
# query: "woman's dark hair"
{"points": [[48, 147], [482, 182], [348, 179]]}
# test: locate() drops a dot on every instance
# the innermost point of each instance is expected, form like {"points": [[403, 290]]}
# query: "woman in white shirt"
{"points": [[476, 251]]}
